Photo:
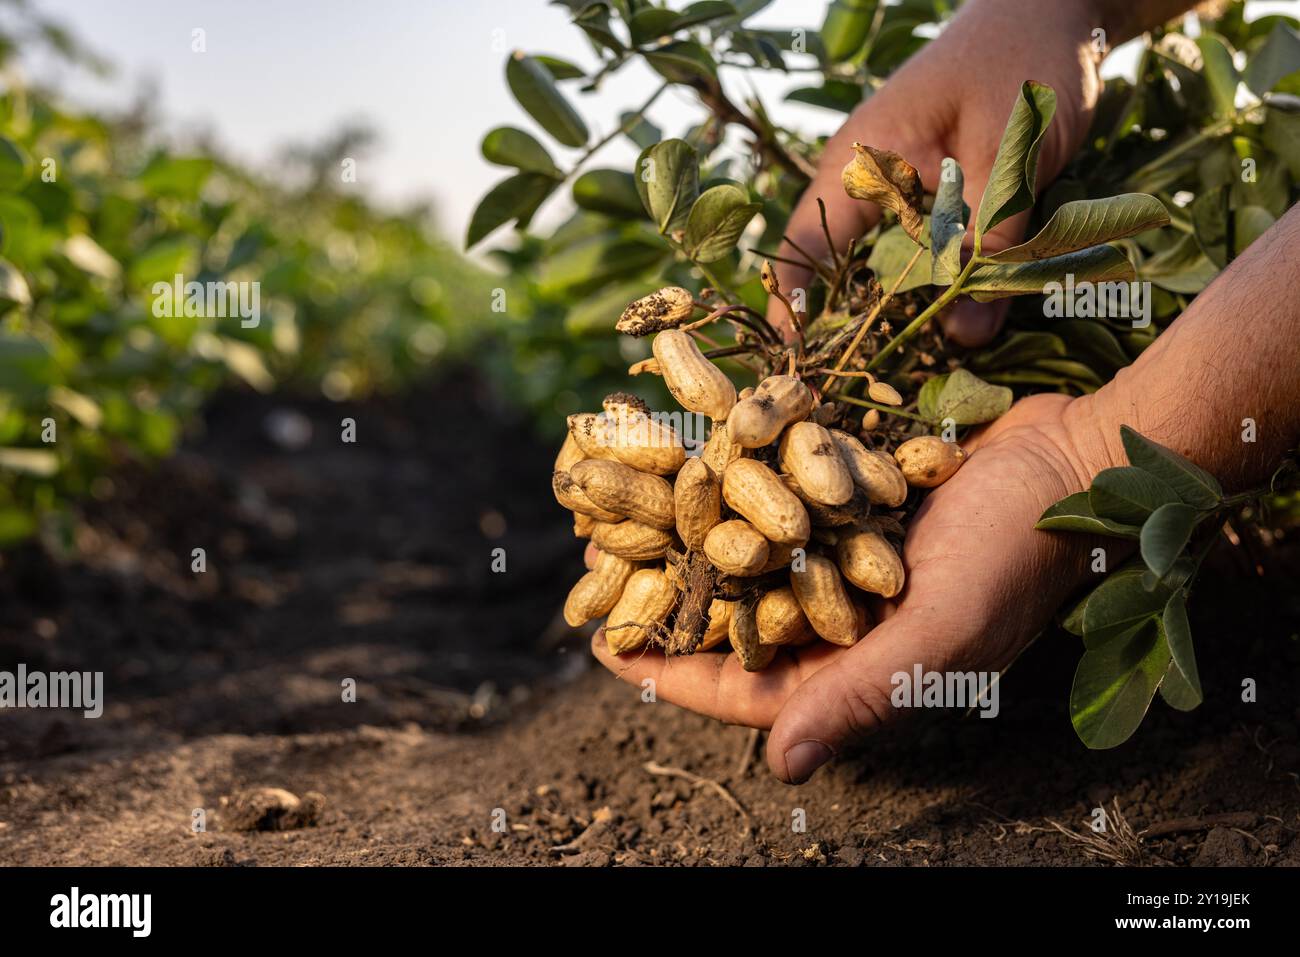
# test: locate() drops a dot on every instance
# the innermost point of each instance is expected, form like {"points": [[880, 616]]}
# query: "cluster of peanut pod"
{"points": [[773, 534]]}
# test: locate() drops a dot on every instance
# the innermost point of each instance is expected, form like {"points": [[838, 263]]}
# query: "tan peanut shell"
{"points": [[757, 493], [590, 430], [825, 601], [570, 454], [719, 621], [736, 548], [665, 309], [695, 382], [639, 440], [632, 540], [759, 419], [780, 619], [720, 451], [742, 630], [697, 495], [626, 491], [583, 525], [875, 473], [884, 393], [778, 556], [647, 599], [871, 420], [596, 592], [569, 494], [648, 366], [868, 560], [928, 461], [856, 509], [808, 453]]}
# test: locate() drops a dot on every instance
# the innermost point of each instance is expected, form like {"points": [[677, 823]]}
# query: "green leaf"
{"points": [[1278, 58], [1176, 691], [716, 221], [1165, 534], [1020, 349], [535, 90], [890, 256], [845, 28], [1128, 495], [683, 61], [1248, 224], [668, 180], [650, 23], [1211, 218], [1178, 634], [1114, 685], [948, 224], [1099, 264], [1180, 268], [178, 176], [1220, 74], [1193, 484], [1093, 342], [840, 95], [515, 198], [1010, 188], [963, 397], [15, 166], [639, 130], [609, 191], [1074, 514], [1281, 134], [558, 68], [1088, 222], [507, 146]]}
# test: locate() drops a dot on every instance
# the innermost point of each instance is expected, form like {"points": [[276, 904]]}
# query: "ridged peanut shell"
{"points": [[647, 599], [928, 461], [621, 489], [632, 540], [596, 592], [719, 620], [736, 548], [809, 454], [874, 472], [697, 496], [868, 560], [780, 619], [570, 494], [695, 382], [742, 630], [759, 419], [757, 493], [825, 601]]}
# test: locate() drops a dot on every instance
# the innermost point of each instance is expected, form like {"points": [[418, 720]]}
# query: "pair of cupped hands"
{"points": [[981, 581]]}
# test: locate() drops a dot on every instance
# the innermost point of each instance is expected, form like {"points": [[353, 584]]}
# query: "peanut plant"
{"points": [[809, 478]]}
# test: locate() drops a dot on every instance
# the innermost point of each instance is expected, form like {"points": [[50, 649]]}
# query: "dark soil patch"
{"points": [[475, 706]]}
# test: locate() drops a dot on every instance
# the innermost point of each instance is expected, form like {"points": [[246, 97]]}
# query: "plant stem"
{"points": [[888, 409], [635, 116], [714, 281], [949, 294], [871, 316]]}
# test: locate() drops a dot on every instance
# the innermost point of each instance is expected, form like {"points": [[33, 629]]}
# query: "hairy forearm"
{"points": [[1125, 19], [1233, 356], [1122, 20]]}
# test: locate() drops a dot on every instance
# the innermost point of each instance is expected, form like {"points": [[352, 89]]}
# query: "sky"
{"points": [[426, 75]]}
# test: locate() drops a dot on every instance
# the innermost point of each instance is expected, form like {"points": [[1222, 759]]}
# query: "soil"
{"points": [[481, 733]]}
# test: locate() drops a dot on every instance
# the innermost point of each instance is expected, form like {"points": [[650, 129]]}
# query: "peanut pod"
{"points": [[632, 540], [583, 525], [622, 489], [638, 440], [596, 592], [719, 622], [874, 472], [780, 619], [695, 382], [757, 493], [856, 509], [636, 617], [757, 420], [720, 451], [809, 454], [569, 494], [743, 632], [665, 309], [868, 560], [927, 461], [570, 454], [825, 601], [736, 548], [697, 497]]}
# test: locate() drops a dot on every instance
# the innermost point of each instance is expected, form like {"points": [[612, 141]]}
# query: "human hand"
{"points": [[981, 583], [953, 99]]}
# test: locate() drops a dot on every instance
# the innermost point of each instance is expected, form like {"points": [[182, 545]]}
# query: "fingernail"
{"points": [[805, 758]]}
